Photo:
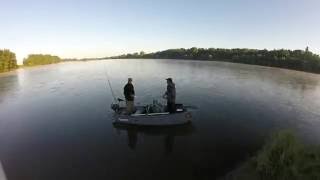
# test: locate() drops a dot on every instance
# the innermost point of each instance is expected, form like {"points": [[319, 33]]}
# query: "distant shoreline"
{"points": [[301, 60], [213, 61], [101, 59]]}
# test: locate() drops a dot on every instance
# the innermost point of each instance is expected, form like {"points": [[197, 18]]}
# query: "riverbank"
{"points": [[301, 60], [27, 67], [284, 157], [34, 66], [8, 61], [78, 61]]}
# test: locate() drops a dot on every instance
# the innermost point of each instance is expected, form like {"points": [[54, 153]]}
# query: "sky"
{"points": [[100, 28]]}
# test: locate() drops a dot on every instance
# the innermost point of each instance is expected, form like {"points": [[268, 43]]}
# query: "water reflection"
{"points": [[8, 86], [168, 134]]}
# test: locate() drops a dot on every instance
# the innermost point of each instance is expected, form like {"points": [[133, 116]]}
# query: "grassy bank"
{"points": [[284, 157]]}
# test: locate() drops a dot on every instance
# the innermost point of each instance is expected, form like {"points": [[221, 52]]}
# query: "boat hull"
{"points": [[155, 119]]}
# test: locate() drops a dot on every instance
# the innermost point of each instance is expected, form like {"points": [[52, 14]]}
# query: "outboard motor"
{"points": [[115, 107]]}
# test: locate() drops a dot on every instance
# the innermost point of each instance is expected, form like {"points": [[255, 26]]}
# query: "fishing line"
{"points": [[109, 83]]}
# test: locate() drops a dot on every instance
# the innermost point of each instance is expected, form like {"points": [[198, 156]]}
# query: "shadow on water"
{"points": [[168, 133]]}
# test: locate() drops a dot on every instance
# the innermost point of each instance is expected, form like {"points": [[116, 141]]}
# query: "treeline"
{"points": [[302, 60], [40, 59], [8, 60]]}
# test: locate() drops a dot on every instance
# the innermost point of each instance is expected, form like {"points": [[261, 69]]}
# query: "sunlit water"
{"points": [[55, 121]]}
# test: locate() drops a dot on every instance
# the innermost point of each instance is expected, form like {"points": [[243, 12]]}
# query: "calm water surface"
{"points": [[55, 121]]}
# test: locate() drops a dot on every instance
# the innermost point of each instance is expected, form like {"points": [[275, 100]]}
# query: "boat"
{"points": [[154, 114]]}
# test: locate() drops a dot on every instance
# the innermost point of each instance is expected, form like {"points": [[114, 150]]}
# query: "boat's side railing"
{"points": [[153, 114], [150, 114]]}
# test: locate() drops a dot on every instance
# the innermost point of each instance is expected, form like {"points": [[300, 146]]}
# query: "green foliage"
{"points": [[40, 59], [283, 157], [303, 60], [8, 60]]}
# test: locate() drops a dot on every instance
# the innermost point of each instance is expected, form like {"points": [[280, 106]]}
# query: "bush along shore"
{"points": [[8, 61], [284, 157], [40, 59], [302, 60]]}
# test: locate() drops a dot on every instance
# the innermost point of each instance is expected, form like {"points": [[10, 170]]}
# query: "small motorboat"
{"points": [[154, 114]]}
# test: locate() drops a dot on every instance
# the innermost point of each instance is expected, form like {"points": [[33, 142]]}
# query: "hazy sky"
{"points": [[95, 28]]}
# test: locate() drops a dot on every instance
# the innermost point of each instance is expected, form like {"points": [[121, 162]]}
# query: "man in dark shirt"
{"points": [[128, 92], [170, 95]]}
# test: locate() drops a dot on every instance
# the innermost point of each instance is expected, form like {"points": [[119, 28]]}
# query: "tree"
{"points": [[40, 59], [8, 60]]}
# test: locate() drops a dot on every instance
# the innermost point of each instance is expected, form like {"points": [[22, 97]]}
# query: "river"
{"points": [[56, 121]]}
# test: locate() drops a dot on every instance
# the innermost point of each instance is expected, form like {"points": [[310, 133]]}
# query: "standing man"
{"points": [[128, 92], [170, 95]]}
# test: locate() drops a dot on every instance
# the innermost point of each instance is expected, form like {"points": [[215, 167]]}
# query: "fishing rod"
{"points": [[109, 83]]}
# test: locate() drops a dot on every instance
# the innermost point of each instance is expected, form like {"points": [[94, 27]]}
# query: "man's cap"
{"points": [[129, 79], [169, 79]]}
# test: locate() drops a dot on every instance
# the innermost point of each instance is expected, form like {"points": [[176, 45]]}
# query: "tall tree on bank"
{"points": [[40, 59], [8, 60]]}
